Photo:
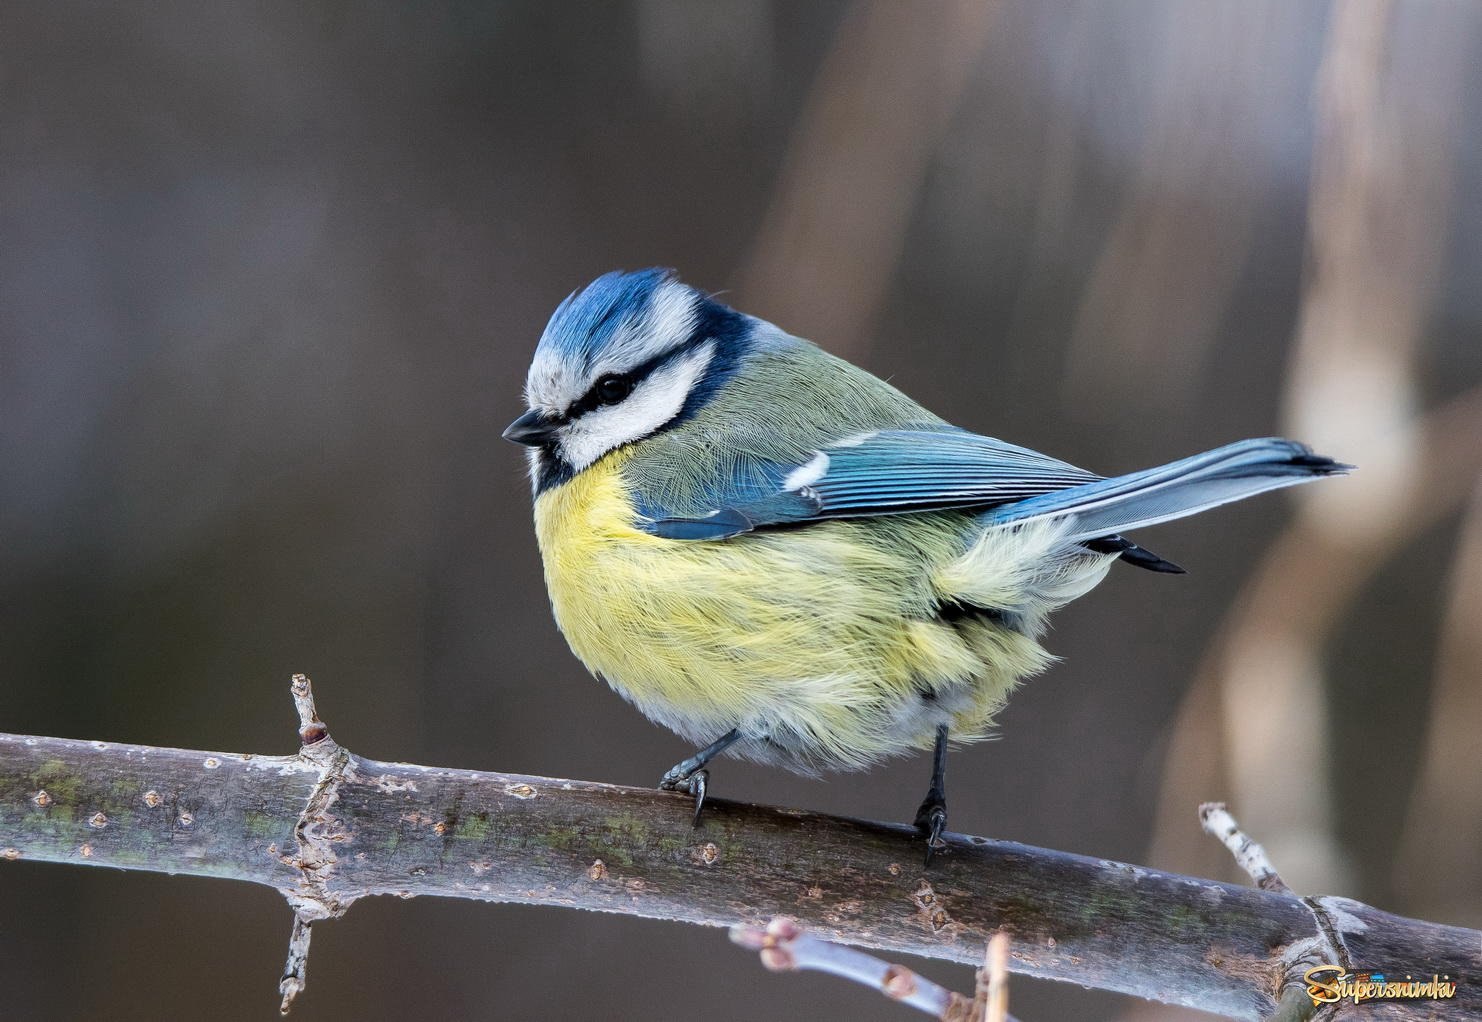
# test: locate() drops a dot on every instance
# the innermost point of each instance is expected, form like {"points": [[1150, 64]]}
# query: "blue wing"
{"points": [[902, 471], [882, 473]]}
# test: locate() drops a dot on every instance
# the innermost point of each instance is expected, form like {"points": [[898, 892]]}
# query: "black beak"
{"points": [[532, 429]]}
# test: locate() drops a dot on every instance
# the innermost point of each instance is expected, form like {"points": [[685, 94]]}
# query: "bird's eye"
{"points": [[612, 388]]}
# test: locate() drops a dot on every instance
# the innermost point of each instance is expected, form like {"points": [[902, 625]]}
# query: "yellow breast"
{"points": [[823, 632]]}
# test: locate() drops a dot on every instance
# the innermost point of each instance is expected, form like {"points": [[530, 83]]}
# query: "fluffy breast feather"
{"points": [[826, 644]]}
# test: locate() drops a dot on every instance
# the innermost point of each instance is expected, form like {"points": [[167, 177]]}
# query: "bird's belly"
{"points": [[821, 643]]}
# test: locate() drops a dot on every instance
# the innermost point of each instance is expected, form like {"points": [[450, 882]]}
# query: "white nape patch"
{"points": [[656, 400], [856, 439], [806, 474]]}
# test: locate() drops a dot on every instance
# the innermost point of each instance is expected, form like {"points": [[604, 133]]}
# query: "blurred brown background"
{"points": [[270, 274]]}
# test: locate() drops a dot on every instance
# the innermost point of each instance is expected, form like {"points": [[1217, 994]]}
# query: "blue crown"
{"points": [[585, 322]]}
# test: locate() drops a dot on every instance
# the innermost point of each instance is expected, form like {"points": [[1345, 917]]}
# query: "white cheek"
{"points": [[655, 401]]}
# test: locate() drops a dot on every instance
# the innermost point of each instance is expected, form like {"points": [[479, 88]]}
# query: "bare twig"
{"points": [[1250, 856], [297, 967], [311, 729], [996, 990], [785, 946], [326, 827], [1328, 946], [315, 836]]}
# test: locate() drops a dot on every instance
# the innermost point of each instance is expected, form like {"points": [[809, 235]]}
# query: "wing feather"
{"points": [[882, 473]]}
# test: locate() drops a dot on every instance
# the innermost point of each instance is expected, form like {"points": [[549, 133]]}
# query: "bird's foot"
{"points": [[931, 821], [693, 782], [689, 775]]}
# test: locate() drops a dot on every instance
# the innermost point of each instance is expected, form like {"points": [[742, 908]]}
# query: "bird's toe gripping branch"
{"points": [[691, 777], [931, 821], [695, 783]]}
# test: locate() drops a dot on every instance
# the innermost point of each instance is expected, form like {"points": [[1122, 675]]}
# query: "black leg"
{"points": [[690, 775], [931, 818]]}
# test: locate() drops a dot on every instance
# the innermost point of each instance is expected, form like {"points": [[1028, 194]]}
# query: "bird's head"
{"points": [[626, 356]]}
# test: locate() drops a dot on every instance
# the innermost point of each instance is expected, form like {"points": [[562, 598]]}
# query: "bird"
{"points": [[779, 556]]}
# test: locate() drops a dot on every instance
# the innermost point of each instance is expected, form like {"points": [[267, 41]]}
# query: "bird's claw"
{"points": [[695, 783], [931, 821]]}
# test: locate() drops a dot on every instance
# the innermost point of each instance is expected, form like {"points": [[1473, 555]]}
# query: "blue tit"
{"points": [[777, 555]]}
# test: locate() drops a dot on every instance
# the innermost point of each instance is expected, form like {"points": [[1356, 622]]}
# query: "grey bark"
{"points": [[327, 827]]}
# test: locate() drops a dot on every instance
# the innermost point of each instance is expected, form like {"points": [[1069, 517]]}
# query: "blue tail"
{"points": [[1186, 487]]}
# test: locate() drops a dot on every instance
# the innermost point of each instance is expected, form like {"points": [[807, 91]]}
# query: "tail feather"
{"points": [[1132, 554], [1233, 472]]}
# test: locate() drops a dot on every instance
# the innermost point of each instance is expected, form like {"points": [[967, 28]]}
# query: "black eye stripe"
{"points": [[594, 397]]}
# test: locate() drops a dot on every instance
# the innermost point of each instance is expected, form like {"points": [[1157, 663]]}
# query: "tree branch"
{"points": [[327, 827]]}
